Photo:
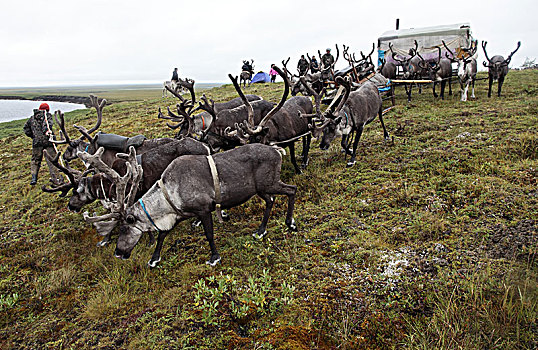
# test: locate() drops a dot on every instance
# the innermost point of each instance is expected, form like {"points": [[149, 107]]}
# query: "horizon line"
{"points": [[97, 83]]}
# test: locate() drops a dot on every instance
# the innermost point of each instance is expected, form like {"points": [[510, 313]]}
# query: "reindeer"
{"points": [[497, 68], [467, 68], [357, 109], [296, 87], [200, 124], [440, 71], [173, 85], [282, 127], [246, 75], [73, 146], [99, 186], [193, 186], [410, 67]]}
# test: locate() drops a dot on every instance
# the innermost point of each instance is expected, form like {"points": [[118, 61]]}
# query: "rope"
{"points": [[51, 136]]}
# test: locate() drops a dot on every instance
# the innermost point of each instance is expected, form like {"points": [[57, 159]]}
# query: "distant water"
{"points": [[22, 109]]}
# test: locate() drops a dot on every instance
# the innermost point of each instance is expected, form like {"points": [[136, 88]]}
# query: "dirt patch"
{"points": [[514, 242]]}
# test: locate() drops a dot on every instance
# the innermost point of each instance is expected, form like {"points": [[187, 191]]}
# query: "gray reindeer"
{"points": [[497, 68]]}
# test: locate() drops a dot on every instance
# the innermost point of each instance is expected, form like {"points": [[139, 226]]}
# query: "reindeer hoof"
{"points": [[292, 226], [225, 217], [103, 243], [258, 236], [153, 263], [196, 223], [213, 261], [350, 164]]}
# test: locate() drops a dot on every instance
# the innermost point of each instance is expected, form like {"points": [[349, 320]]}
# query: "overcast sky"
{"points": [[63, 42]]}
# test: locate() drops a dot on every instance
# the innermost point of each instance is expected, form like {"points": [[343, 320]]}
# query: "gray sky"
{"points": [[63, 42]]}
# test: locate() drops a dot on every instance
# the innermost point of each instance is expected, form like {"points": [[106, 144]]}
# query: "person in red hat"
{"points": [[39, 128]]}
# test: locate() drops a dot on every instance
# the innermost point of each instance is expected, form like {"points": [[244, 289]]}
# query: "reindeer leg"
{"points": [[500, 86], [355, 144], [434, 93], [472, 95], [156, 257], [269, 202], [443, 85], [344, 144], [288, 190], [490, 83], [306, 148], [450, 86], [385, 132], [291, 146], [207, 222]]}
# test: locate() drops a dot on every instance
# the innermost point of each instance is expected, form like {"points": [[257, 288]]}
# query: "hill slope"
{"points": [[429, 241]]}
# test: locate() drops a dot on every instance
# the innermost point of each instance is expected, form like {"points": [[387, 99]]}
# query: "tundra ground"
{"points": [[429, 241]]}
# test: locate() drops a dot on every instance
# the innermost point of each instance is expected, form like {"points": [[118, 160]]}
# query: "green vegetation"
{"points": [[428, 242]]}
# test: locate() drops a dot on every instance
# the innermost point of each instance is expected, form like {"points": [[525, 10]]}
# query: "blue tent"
{"points": [[261, 77]]}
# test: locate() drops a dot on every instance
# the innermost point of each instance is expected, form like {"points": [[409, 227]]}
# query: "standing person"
{"points": [[302, 65], [327, 60], [273, 73], [175, 77], [39, 128], [314, 66]]}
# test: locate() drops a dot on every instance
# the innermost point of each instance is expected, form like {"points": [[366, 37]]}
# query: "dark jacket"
{"points": [[36, 128], [175, 76], [302, 65], [327, 60]]}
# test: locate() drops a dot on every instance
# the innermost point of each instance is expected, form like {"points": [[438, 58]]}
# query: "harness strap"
{"points": [[147, 214], [167, 196], [216, 185], [347, 118], [203, 122]]}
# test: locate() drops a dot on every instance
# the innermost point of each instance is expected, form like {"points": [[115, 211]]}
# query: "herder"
{"points": [[39, 128]]}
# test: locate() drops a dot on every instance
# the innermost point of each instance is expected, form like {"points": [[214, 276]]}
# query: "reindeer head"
{"points": [[331, 118], [497, 65], [124, 196], [251, 133]]}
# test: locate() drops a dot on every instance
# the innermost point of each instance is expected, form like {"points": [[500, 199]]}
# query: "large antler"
{"points": [[448, 49], [370, 54], [287, 74], [59, 118], [484, 43], [94, 102], [507, 61], [275, 109], [133, 176], [73, 175], [402, 62], [330, 114], [189, 85], [250, 110], [207, 105], [317, 98]]}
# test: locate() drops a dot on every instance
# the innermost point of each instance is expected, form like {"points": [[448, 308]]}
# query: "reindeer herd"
{"points": [[148, 185]]}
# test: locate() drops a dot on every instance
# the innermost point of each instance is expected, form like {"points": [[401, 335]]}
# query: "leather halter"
{"points": [[216, 185]]}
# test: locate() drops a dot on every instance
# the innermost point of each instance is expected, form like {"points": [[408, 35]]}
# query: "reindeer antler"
{"points": [[507, 61], [94, 102], [73, 175], [250, 111], [133, 176], [484, 43], [59, 118], [207, 105]]}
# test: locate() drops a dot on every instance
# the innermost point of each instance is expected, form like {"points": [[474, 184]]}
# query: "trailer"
{"points": [[455, 36]]}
